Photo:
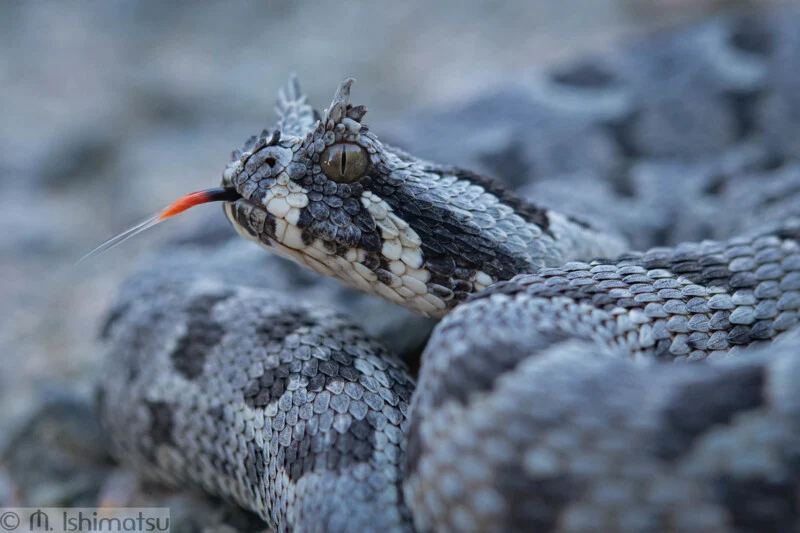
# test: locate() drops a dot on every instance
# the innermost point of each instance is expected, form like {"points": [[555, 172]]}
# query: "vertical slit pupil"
{"points": [[344, 161]]}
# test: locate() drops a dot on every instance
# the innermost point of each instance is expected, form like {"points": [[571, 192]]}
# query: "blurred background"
{"points": [[110, 110]]}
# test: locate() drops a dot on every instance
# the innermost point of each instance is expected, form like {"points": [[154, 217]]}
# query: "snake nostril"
{"points": [[271, 161]]}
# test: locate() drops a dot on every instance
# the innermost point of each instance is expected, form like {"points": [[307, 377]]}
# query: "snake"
{"points": [[571, 383]]}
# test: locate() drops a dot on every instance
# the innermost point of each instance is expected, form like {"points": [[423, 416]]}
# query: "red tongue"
{"points": [[180, 205], [196, 198]]}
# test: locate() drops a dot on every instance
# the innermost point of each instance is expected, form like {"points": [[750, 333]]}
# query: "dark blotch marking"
{"points": [[528, 211], [699, 406], [534, 504], [255, 465], [789, 234], [707, 276], [744, 106], [277, 328], [661, 350], [244, 521], [335, 216], [590, 293], [269, 228], [453, 251], [300, 456], [116, 313], [99, 401], [623, 133], [371, 241], [486, 362], [161, 424], [413, 446], [343, 450], [332, 451], [579, 222], [752, 35], [308, 235], [305, 219], [136, 338], [202, 335], [270, 386], [267, 388], [256, 220], [763, 504], [789, 191], [716, 185], [240, 210], [705, 270], [372, 261], [220, 461]]}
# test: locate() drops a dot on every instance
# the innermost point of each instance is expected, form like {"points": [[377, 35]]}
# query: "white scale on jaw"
{"points": [[401, 249]]}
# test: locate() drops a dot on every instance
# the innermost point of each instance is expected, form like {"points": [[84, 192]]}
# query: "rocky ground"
{"points": [[114, 109]]}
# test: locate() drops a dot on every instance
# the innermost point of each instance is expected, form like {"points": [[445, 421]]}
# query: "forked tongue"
{"points": [[219, 194]]}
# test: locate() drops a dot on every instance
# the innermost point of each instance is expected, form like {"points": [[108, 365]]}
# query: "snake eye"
{"points": [[344, 163]]}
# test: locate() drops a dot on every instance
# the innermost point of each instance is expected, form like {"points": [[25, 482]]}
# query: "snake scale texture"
{"points": [[639, 392]]}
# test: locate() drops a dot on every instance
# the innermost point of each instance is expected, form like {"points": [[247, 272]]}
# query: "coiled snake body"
{"points": [[546, 398]]}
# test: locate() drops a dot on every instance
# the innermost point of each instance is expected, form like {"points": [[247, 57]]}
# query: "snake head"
{"points": [[311, 191]]}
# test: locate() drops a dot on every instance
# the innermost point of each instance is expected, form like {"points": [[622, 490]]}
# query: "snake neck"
{"points": [[473, 231]]}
